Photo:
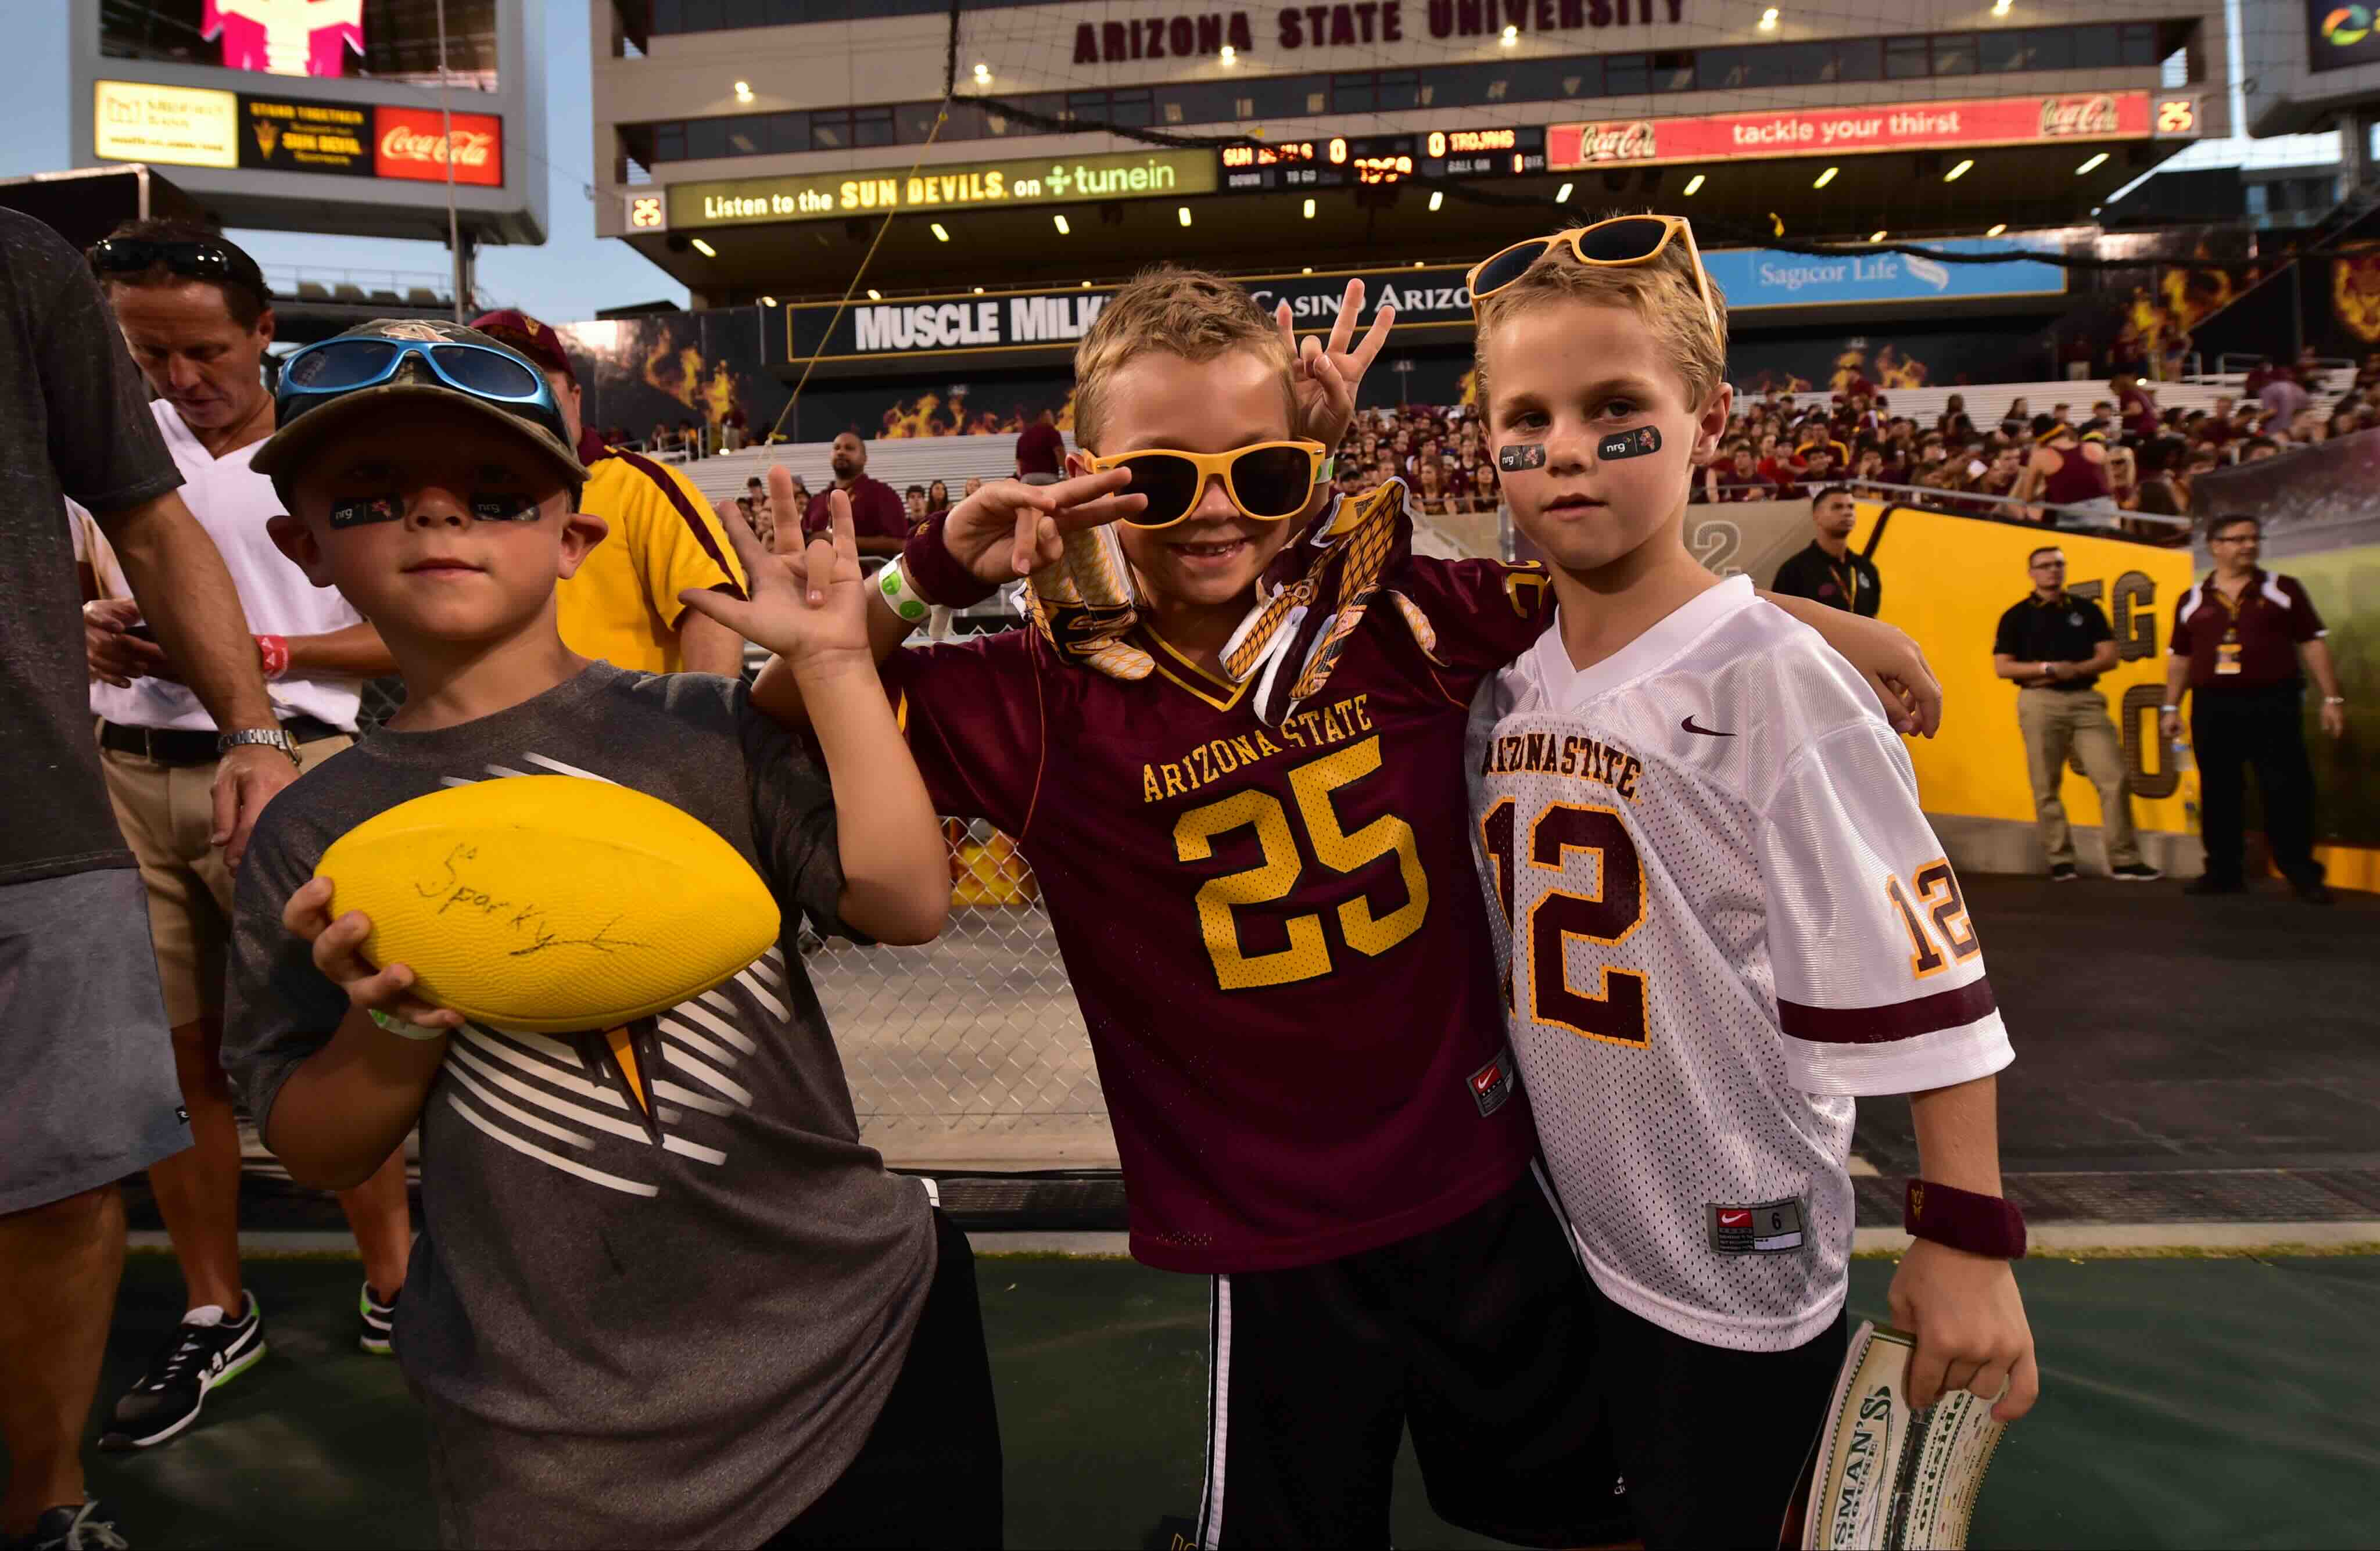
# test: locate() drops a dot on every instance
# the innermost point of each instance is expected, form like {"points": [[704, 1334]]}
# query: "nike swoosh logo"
{"points": [[1689, 725]]}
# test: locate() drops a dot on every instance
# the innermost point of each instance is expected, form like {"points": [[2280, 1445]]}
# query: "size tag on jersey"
{"points": [[1492, 1084], [1768, 1228]]}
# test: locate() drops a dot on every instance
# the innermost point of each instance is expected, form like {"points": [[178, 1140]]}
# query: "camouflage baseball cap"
{"points": [[310, 412]]}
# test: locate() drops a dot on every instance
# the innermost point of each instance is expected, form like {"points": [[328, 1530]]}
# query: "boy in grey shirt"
{"points": [[662, 1295]]}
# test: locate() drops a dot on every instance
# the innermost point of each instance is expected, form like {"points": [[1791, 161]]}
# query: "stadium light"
{"points": [[1955, 174], [1184, 212], [2091, 165], [1437, 197], [1825, 177], [1996, 230], [982, 73], [768, 301], [743, 90], [978, 290], [1064, 230], [2000, 7], [1769, 20], [1876, 236], [1419, 264], [875, 294], [1309, 210], [705, 249], [940, 235], [1693, 185], [1231, 55], [1087, 285], [1512, 36], [1562, 195], [1307, 270]]}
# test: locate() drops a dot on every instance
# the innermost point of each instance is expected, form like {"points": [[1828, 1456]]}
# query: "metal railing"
{"points": [[2107, 518]]}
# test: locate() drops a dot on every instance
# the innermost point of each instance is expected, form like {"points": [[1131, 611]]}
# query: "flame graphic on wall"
{"points": [[931, 414], [678, 371]]}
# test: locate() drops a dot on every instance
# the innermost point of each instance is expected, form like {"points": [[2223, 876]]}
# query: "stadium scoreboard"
{"points": [[1353, 161]]}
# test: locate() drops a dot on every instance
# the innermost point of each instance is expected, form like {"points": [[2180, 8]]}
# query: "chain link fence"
{"points": [[969, 1052]]}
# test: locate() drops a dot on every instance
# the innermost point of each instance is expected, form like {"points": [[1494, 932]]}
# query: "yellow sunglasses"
{"points": [[1269, 480], [1619, 243]]}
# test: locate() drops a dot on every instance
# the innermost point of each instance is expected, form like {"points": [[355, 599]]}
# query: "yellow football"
{"points": [[551, 903]]}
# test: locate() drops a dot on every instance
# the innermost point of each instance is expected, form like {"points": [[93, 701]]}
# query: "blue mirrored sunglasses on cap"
{"points": [[338, 367]]}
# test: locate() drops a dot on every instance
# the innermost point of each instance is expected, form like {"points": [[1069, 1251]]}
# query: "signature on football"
{"points": [[526, 918]]}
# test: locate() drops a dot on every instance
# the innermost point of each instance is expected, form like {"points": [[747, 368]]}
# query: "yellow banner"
{"points": [[179, 126], [1947, 580]]}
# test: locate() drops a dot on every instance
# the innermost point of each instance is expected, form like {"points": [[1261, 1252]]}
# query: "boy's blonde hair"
{"points": [[1185, 312], [1662, 295]]}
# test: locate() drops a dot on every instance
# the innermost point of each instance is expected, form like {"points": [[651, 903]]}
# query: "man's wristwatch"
{"points": [[271, 737]]}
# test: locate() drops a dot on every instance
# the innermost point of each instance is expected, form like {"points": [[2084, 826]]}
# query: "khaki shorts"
{"points": [[167, 815]]}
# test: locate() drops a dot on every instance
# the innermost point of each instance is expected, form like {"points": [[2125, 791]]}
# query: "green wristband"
{"points": [[400, 1028], [906, 601]]}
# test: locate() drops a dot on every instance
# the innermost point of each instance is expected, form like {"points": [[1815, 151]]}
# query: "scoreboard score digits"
{"points": [[1346, 160]]}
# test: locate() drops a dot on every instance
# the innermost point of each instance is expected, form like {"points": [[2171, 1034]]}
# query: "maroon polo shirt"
{"points": [[2273, 617], [876, 511]]}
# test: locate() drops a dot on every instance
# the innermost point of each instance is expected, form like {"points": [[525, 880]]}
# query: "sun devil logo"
{"points": [[2355, 294], [284, 37], [268, 135]]}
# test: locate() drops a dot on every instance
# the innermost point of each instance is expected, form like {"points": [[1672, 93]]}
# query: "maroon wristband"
{"points": [[1988, 1225], [936, 574]]}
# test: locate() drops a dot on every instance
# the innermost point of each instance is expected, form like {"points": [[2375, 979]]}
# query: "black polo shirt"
{"points": [[2065, 629], [1852, 583], [2251, 645]]}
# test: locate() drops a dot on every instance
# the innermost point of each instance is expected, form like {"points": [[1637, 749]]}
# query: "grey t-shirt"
{"points": [[669, 1337], [74, 421]]}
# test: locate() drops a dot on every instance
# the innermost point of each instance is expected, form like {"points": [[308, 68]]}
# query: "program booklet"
{"points": [[1884, 1477]]}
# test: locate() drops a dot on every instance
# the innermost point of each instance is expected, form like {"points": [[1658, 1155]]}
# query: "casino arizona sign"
{"points": [[1351, 24]]}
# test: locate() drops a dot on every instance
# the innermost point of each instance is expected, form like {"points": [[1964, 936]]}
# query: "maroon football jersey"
{"points": [[1276, 934]]}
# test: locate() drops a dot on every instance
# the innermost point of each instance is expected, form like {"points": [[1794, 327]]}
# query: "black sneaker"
{"points": [[82, 1526], [2311, 888], [205, 1351], [2061, 872], [2136, 872], [379, 1320], [2207, 883]]}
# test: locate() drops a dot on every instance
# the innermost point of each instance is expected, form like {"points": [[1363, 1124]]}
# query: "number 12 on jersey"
{"points": [[1613, 1012]]}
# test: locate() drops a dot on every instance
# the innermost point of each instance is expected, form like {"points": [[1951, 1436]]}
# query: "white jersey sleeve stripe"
{"points": [[1955, 1007]]}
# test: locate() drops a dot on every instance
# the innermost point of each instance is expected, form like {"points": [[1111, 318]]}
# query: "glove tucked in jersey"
{"points": [[1722, 914]]}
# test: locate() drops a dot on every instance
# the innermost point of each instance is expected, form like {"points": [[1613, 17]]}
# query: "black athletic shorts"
{"points": [[929, 1474], [1478, 1335], [1712, 1441]]}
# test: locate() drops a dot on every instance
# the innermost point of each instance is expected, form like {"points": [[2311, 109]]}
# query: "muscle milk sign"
{"points": [[1045, 320]]}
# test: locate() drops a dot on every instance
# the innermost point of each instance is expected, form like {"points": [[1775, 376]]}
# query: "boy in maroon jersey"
{"points": [[1249, 824]]}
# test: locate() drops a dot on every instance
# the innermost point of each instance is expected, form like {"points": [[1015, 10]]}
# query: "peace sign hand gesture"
{"points": [[1329, 376]]}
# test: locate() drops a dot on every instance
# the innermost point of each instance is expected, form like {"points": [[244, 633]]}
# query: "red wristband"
{"points": [[273, 655], [1988, 1225], [936, 573]]}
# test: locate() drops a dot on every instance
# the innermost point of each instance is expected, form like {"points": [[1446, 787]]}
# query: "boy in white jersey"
{"points": [[1724, 916]]}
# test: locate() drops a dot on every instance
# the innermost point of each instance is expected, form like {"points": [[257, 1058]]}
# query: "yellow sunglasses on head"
{"points": [[1622, 242], [1269, 480]]}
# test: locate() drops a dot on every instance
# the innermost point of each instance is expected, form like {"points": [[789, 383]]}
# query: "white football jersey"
{"points": [[1721, 916]]}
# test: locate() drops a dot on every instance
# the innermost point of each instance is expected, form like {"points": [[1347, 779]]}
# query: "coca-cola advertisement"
{"points": [[411, 143], [1965, 122], [1629, 141], [2074, 118]]}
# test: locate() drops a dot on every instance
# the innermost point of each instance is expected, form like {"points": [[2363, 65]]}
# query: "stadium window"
{"points": [[2140, 42], [745, 136], [1623, 75], [830, 131], [1954, 54], [789, 132], [1673, 70], [669, 15], [1172, 112], [2097, 48], [1791, 64], [669, 142], [1268, 98], [1091, 105], [1858, 59], [1352, 93], [1398, 89], [1904, 58], [2005, 51], [1200, 102], [2049, 48], [1584, 79], [743, 13], [1722, 70], [1129, 105], [705, 139], [914, 121], [1545, 80], [871, 126], [699, 15], [1318, 102]]}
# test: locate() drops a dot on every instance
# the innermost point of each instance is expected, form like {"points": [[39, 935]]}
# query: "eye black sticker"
{"points": [[505, 508], [354, 511], [1521, 456], [1631, 443]]}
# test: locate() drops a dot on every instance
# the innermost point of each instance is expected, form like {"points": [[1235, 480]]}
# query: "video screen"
{"points": [[377, 40]]}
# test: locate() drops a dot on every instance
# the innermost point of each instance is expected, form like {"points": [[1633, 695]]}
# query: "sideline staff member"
{"points": [[622, 605], [1826, 572], [2238, 638], [2055, 646]]}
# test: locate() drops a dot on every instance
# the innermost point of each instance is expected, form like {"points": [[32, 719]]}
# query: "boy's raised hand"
{"points": [[1329, 376], [1009, 529], [338, 947], [806, 606]]}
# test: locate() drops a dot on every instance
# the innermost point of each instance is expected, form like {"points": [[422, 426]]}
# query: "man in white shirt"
{"points": [[197, 316]]}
